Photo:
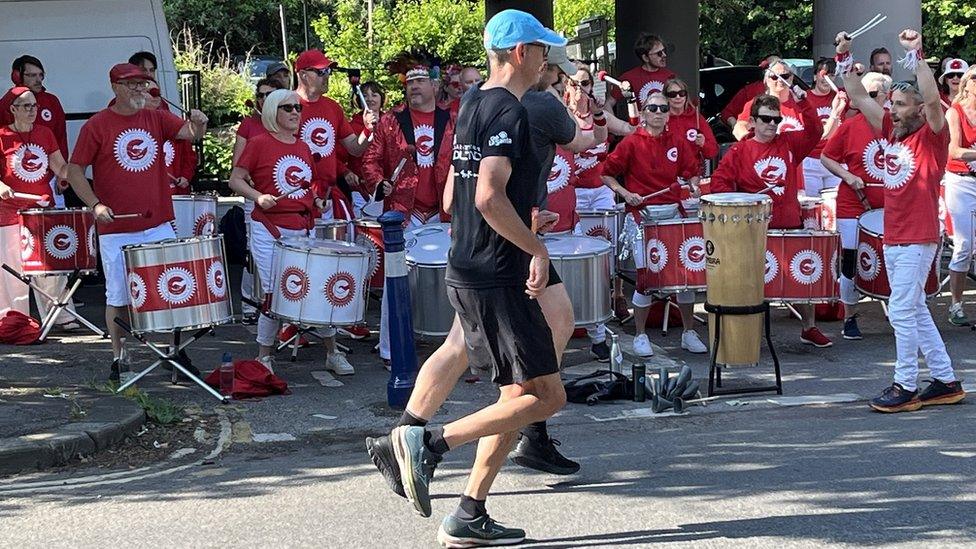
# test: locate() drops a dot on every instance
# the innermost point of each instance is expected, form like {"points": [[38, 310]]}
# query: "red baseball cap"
{"points": [[312, 59], [128, 71]]}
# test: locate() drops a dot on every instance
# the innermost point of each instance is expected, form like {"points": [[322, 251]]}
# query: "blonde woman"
{"points": [[960, 189]]}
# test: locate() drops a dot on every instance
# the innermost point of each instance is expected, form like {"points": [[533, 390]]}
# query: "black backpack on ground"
{"points": [[600, 385], [235, 235]]}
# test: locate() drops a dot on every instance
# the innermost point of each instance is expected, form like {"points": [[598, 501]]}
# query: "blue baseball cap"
{"points": [[510, 27]]}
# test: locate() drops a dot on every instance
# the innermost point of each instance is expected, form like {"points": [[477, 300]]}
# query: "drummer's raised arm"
{"points": [[859, 97]]}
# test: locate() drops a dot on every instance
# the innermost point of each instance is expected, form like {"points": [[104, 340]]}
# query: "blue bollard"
{"points": [[403, 355]]}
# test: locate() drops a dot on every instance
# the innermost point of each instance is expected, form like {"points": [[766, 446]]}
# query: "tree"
{"points": [[743, 31], [946, 27], [567, 14]]}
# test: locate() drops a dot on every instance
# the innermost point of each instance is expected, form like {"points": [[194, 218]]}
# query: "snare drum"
{"points": [[318, 282], [426, 253], [802, 266], [601, 224], [194, 215], [57, 242], [871, 278], [583, 264], [811, 212], [178, 284], [674, 257], [828, 212], [332, 229], [369, 235]]}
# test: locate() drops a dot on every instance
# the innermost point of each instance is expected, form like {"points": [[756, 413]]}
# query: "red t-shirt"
{"points": [[346, 160], [323, 126], [741, 97], [643, 82], [425, 198], [278, 168], [966, 141], [25, 168], [588, 167], [789, 110], [750, 166], [691, 123], [129, 175], [181, 161], [861, 148], [50, 114], [653, 163], [561, 193], [823, 105], [914, 167], [251, 126]]}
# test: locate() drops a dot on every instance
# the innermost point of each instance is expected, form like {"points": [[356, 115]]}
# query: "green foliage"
{"points": [[159, 410], [223, 90], [219, 146], [567, 14], [743, 31], [949, 28]]}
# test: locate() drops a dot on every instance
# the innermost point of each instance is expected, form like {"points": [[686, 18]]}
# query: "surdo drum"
{"points": [[674, 257], [56, 242], [871, 278], [318, 282], [602, 224], [426, 253], [802, 266], [369, 235], [811, 212], [583, 264], [194, 215], [178, 284]]}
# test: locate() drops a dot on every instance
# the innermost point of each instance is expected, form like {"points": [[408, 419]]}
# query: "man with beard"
{"points": [[122, 145], [915, 161], [650, 75], [881, 61]]}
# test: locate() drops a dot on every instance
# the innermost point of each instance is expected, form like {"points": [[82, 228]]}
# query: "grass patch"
{"points": [[158, 410]]}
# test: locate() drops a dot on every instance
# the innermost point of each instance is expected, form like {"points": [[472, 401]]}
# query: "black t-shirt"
{"points": [[551, 125], [490, 123]]}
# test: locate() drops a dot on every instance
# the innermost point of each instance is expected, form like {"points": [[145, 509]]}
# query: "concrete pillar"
{"points": [[675, 22], [541, 9], [833, 16]]}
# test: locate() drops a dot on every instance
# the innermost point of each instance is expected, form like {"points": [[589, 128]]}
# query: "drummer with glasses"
{"points": [[651, 160], [779, 78], [767, 162], [283, 173]]}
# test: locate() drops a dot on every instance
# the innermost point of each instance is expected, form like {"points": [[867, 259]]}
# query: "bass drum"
{"points": [[426, 254]]}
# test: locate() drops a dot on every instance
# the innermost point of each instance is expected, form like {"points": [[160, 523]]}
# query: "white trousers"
{"points": [[816, 177], [262, 250], [960, 201], [848, 241], [908, 268], [600, 198]]}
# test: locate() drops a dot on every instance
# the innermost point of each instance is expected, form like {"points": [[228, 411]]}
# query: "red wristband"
{"points": [[602, 121]]}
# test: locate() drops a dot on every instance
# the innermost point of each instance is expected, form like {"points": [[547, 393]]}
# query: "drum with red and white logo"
{"points": [[57, 242], [369, 235], [179, 284], [319, 282], [828, 210], [194, 215], [674, 257], [871, 278], [811, 212], [583, 264], [802, 266], [602, 224]]}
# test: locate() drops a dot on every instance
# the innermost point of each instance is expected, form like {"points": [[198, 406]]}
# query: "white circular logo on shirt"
{"points": [[169, 152], [673, 154], [772, 267], [29, 163], [176, 285], [873, 159], [823, 112], [290, 174], [691, 134], [319, 134], [771, 170], [46, 115], [868, 265], [61, 241], [558, 174], [692, 254], [26, 244], [216, 280], [806, 267], [789, 124], [649, 88], [589, 158], [423, 136], [137, 290], [657, 255], [135, 150], [899, 165]]}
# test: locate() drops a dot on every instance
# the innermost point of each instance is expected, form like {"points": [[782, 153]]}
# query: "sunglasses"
{"points": [[290, 107], [136, 85], [580, 82], [656, 108], [873, 94], [659, 53], [677, 93], [545, 48], [769, 119], [321, 72]]}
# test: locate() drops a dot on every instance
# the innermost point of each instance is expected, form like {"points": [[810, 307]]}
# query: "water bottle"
{"points": [[125, 365], [227, 375], [638, 372]]}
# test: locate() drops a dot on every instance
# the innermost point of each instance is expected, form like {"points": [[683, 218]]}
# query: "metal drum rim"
{"points": [[728, 199], [36, 211], [186, 328], [194, 197]]}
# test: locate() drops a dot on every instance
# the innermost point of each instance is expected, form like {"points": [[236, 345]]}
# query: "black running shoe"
{"points": [[542, 455], [478, 532], [942, 393], [600, 351], [114, 374], [380, 450], [896, 399]]}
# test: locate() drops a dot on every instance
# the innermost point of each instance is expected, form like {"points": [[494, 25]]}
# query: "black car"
{"points": [[717, 86]]}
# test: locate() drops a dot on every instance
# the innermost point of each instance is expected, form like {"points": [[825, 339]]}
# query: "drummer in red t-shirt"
{"points": [[779, 78], [652, 159], [915, 160], [768, 162], [122, 144], [284, 173], [647, 77], [30, 158], [855, 154], [830, 107], [685, 119]]}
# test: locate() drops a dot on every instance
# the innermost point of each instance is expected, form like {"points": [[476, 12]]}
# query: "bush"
{"points": [[223, 90], [218, 145]]}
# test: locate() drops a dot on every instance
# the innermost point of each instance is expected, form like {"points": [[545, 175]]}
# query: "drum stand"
{"points": [[58, 304], [295, 339], [667, 316], [171, 357], [714, 372]]}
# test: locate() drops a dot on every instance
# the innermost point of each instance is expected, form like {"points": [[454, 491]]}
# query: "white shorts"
{"points": [[113, 262], [848, 233], [816, 177], [600, 198], [960, 201]]}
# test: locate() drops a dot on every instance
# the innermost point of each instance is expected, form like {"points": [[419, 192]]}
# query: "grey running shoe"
{"points": [[380, 450], [417, 465], [957, 317], [478, 532]]}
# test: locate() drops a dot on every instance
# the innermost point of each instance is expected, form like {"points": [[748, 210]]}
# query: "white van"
{"points": [[78, 41]]}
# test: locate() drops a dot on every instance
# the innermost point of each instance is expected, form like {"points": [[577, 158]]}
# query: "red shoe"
{"points": [[355, 332], [815, 337], [579, 333], [288, 331]]}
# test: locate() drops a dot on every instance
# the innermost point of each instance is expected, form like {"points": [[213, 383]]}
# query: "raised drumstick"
{"points": [[154, 92], [41, 199]]}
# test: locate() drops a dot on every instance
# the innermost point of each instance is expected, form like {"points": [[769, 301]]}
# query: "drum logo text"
{"points": [[135, 150], [137, 290], [176, 285], [806, 267], [294, 284], [868, 265], [692, 254], [216, 281], [340, 289], [424, 138], [61, 242], [319, 134]]}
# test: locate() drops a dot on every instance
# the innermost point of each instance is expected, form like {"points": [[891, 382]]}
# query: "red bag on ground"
{"points": [[16, 328], [251, 380], [829, 312]]}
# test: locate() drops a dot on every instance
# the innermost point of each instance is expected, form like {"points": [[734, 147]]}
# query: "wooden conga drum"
{"points": [[734, 226]]}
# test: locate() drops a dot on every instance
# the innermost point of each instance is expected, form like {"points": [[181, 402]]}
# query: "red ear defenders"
{"points": [[17, 76]]}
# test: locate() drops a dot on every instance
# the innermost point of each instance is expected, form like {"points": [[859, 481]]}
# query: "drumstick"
{"points": [[672, 187], [362, 98], [874, 184], [154, 92], [145, 215], [830, 81], [41, 199], [862, 198], [304, 186]]}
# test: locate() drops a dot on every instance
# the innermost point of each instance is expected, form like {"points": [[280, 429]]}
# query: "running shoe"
{"points": [[417, 465], [941, 393], [851, 329], [896, 399], [542, 455], [478, 532], [957, 317], [380, 450]]}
